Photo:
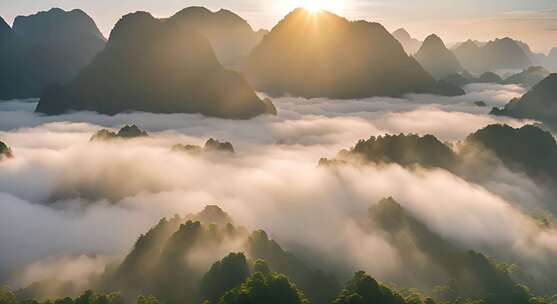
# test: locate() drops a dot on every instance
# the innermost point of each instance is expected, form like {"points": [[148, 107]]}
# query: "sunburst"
{"points": [[313, 6]]}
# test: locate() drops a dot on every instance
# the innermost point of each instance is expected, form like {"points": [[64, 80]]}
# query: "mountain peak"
{"points": [[501, 53], [437, 59], [402, 33], [131, 22], [199, 17], [304, 12], [505, 40], [305, 43], [56, 22], [434, 41], [230, 35], [469, 44], [195, 10], [189, 77], [213, 214], [5, 30], [4, 25], [411, 45]]}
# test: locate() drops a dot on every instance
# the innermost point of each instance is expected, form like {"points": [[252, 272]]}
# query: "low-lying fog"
{"points": [[63, 195]]}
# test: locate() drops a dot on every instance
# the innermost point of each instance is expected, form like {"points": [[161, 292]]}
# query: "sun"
{"points": [[313, 6]]}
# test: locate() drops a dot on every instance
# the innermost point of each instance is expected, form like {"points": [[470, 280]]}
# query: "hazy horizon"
{"points": [[534, 22]]}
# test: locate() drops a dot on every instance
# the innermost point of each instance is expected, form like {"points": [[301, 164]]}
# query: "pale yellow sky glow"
{"points": [[532, 21], [335, 6]]}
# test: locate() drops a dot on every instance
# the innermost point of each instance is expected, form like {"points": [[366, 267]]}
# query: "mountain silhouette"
{"points": [[324, 55], [410, 45], [437, 59], [528, 78], [126, 132], [527, 149], [406, 150], [212, 214], [5, 151], [211, 145], [497, 54], [158, 259], [231, 37], [13, 83], [5, 28], [471, 274], [540, 103], [43, 49], [158, 66], [489, 77]]}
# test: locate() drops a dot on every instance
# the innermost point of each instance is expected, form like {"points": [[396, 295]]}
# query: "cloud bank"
{"points": [[63, 195]]}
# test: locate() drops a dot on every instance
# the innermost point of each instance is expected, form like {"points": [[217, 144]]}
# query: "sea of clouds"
{"points": [[67, 201]]}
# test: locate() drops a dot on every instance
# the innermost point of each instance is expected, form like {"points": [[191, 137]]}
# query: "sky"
{"points": [[532, 21]]}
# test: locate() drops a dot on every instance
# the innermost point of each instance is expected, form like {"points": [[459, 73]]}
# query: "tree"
{"points": [[147, 300], [363, 289], [265, 288], [223, 276], [7, 296]]}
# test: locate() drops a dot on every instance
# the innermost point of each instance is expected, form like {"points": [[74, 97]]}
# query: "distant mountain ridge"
{"points": [[159, 66], [307, 54], [503, 53], [411, 45], [529, 77], [55, 24], [528, 149], [439, 61], [231, 36], [46, 48], [157, 261]]}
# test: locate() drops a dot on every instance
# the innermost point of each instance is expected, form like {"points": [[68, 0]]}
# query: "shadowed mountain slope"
{"points": [[410, 45], [158, 66], [231, 37], [437, 59], [497, 54], [540, 103], [43, 49]]}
